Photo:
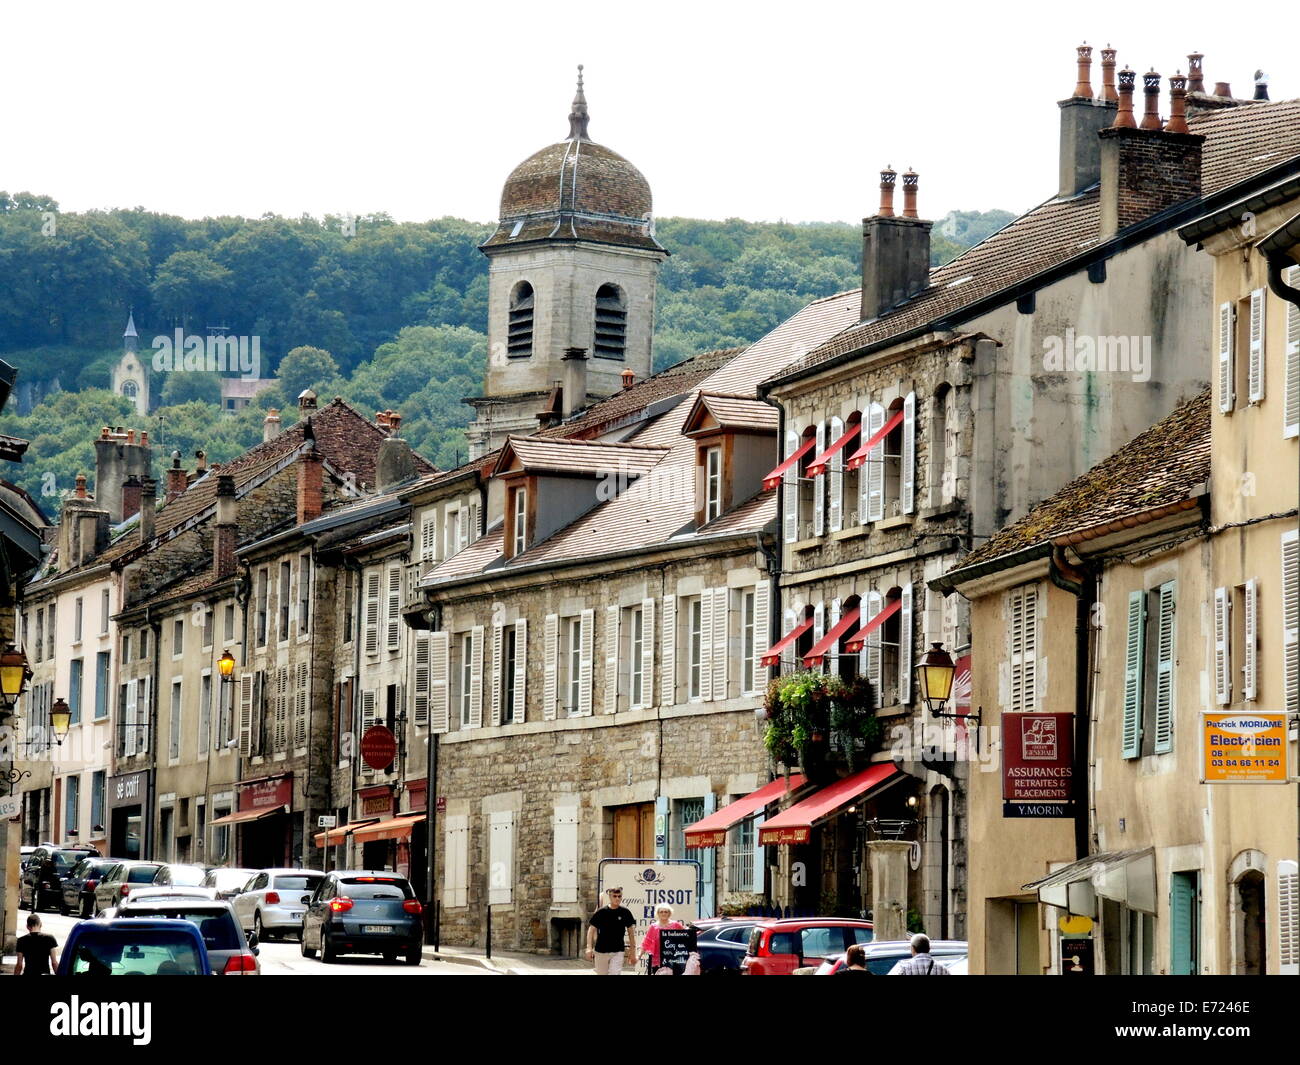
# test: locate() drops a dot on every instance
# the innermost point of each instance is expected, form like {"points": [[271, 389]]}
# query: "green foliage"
{"points": [[190, 386], [306, 367], [805, 709]]}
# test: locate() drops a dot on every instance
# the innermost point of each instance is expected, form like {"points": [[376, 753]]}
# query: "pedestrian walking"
{"points": [[38, 953], [611, 935], [650, 943], [920, 963], [855, 962]]}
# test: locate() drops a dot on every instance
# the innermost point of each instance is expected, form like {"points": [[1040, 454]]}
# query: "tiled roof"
{"points": [[1161, 466], [472, 559], [753, 514], [1240, 142], [579, 456], [738, 412]]}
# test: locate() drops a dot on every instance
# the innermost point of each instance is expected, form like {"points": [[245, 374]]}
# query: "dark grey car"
{"points": [[79, 886], [363, 911], [229, 952]]}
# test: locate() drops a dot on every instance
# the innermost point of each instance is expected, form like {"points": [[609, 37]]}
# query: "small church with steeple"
{"points": [[130, 377], [572, 270]]}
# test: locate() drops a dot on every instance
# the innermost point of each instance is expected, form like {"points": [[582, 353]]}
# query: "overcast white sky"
{"points": [[758, 111]]}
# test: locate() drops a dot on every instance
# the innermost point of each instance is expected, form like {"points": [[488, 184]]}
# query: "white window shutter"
{"points": [[1222, 650], [790, 491], [367, 713], [1291, 620], [463, 523], [905, 647], [476, 677], [1226, 344], [1291, 406], [647, 652], [422, 679], [873, 474], [245, 714], [908, 477], [871, 648], [1288, 917], [393, 619], [1250, 653], [564, 878], [429, 536], [586, 653], [519, 709], [372, 613], [439, 697], [550, 673], [833, 653], [835, 478], [864, 487], [1166, 648], [611, 658], [706, 644], [471, 531], [501, 857], [300, 710], [497, 639], [1255, 368], [819, 485], [819, 626], [455, 879], [668, 663], [762, 627], [721, 626], [1023, 608]]}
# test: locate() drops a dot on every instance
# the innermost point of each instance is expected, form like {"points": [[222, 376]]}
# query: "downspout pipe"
{"points": [[1081, 582]]}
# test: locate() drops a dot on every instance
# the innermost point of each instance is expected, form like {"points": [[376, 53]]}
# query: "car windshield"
{"points": [[141, 874], [376, 888], [65, 860], [149, 952], [297, 883], [216, 927], [186, 875], [225, 879]]}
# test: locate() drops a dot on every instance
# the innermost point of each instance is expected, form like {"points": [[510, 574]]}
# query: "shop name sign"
{"points": [[1243, 748], [264, 794], [1037, 765], [649, 884]]}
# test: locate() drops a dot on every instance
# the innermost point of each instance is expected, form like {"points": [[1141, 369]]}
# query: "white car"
{"points": [[273, 901]]}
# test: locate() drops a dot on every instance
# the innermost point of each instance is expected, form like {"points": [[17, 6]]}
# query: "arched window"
{"points": [[130, 389], [519, 335], [611, 323]]}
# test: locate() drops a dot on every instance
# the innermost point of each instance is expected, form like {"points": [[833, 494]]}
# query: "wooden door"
{"points": [[634, 827]]}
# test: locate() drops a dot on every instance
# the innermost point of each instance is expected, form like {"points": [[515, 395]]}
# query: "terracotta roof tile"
{"points": [[581, 456], [739, 412]]}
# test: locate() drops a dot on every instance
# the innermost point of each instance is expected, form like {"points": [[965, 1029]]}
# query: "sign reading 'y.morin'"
{"points": [[1037, 765]]}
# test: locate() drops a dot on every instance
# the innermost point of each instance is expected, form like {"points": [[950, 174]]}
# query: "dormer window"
{"points": [[519, 522], [733, 436], [610, 340], [519, 335], [712, 483]]}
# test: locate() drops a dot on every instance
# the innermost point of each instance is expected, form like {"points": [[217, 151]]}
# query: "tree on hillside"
{"points": [[188, 386], [190, 287], [306, 367]]}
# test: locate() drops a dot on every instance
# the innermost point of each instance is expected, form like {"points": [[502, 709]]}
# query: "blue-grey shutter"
{"points": [[1137, 614], [1165, 670], [661, 827], [708, 866], [1183, 924]]}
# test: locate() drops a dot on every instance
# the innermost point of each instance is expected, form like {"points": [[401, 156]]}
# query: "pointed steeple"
{"points": [[578, 117], [130, 335]]}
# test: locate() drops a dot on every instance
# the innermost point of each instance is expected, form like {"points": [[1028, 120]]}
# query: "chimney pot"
{"points": [[1083, 86], [1124, 116], [1108, 93], [81, 486], [1151, 107], [306, 401], [271, 425], [1195, 72], [1177, 104], [887, 178], [201, 461], [226, 528], [176, 479], [310, 502], [130, 436], [910, 179], [629, 376], [1222, 88], [1261, 85]]}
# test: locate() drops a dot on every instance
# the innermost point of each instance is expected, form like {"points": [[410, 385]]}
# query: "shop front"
{"points": [[128, 804], [263, 822]]}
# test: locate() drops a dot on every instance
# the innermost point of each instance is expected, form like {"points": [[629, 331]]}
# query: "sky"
{"points": [[757, 111]]}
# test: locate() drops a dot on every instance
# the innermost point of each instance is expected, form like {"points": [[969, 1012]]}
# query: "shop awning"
{"points": [[711, 831], [774, 478], [819, 464], [334, 836], [795, 824], [854, 643], [394, 828], [773, 654], [1128, 877], [240, 816], [860, 456], [815, 656]]}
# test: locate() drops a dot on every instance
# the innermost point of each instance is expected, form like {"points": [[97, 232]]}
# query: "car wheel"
{"points": [[87, 908], [258, 930], [415, 955], [327, 951], [390, 956], [307, 952]]}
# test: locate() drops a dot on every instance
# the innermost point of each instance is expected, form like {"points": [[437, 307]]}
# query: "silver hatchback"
{"points": [[273, 901]]}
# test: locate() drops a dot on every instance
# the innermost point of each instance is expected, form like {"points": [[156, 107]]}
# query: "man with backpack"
{"points": [[920, 963]]}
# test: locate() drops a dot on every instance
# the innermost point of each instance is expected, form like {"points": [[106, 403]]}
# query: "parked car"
{"points": [[882, 956], [363, 912], [42, 880], [134, 946], [228, 882], [229, 952], [79, 885], [722, 943], [153, 891], [121, 880], [778, 948], [273, 901], [171, 875]]}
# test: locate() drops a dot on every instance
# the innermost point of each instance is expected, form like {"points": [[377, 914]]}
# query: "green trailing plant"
{"points": [[806, 709]]}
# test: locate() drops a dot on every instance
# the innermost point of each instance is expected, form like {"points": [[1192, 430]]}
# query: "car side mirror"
{"points": [[306, 898]]}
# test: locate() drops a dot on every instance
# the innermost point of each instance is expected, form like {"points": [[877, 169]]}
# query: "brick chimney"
{"points": [[895, 251], [306, 404], [395, 462], [200, 463], [130, 497], [226, 529], [148, 509], [271, 425], [81, 486], [574, 366], [309, 486], [118, 455], [1146, 169], [1082, 118], [177, 481]]}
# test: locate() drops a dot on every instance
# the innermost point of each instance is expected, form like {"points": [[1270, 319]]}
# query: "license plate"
{"points": [[378, 929]]}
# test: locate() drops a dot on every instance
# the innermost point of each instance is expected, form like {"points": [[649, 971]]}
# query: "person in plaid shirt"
{"points": [[920, 963]]}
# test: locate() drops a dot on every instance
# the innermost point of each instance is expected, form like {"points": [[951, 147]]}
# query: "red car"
{"points": [[778, 948]]}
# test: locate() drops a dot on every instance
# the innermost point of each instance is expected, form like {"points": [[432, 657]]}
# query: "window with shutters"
{"points": [[631, 663], [519, 328], [790, 491], [712, 483], [811, 508], [1291, 398], [1252, 343], [393, 613], [178, 637], [466, 677], [261, 619], [76, 620], [1226, 378], [871, 479], [439, 682], [693, 616], [501, 857], [174, 724], [103, 615], [610, 339], [748, 646], [509, 663], [209, 626], [1150, 663], [455, 883], [1288, 914], [518, 523], [570, 665], [429, 536], [1022, 647], [893, 465], [1291, 621], [451, 531], [205, 710], [284, 599], [371, 612], [304, 593]]}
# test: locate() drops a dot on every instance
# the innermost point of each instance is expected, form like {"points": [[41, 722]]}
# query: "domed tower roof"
{"points": [[576, 190]]}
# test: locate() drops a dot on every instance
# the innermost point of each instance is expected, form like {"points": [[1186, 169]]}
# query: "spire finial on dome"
{"points": [[578, 117]]}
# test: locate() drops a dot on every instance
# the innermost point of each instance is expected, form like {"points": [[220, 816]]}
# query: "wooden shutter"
{"points": [[472, 531], [871, 648], [669, 662], [1291, 406], [300, 710], [835, 478], [706, 644], [245, 715], [429, 536], [476, 677], [455, 868], [394, 617], [720, 632], [1288, 917], [439, 697], [907, 488], [833, 652], [463, 528], [1134, 673], [611, 659], [873, 473], [372, 613], [819, 485], [422, 679], [647, 652], [790, 491], [1222, 651], [564, 878], [282, 708], [501, 857], [1250, 653], [762, 626], [367, 713], [1023, 608], [551, 666], [864, 493], [498, 638], [1226, 344], [1255, 367], [905, 647], [1291, 620], [519, 709], [1183, 925], [586, 653], [1165, 653]]}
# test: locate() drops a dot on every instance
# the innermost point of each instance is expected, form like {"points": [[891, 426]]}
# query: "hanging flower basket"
{"points": [[809, 714]]}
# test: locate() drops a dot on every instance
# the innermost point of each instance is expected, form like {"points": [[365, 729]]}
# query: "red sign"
{"points": [[417, 794], [266, 794], [378, 747], [1038, 765], [777, 836]]}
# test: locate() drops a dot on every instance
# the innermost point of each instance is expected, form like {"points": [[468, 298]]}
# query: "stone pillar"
{"points": [[889, 869]]}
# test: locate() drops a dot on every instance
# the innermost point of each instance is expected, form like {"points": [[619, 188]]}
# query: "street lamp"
{"points": [[60, 720], [226, 664], [14, 675], [934, 675]]}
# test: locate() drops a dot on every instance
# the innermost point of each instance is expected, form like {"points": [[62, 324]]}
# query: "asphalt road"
{"points": [[283, 957]]}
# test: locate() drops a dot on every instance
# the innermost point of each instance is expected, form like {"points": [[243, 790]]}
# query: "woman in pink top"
{"points": [[650, 944]]}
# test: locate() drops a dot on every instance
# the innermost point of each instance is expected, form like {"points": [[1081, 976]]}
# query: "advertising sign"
{"points": [[647, 884], [1037, 765], [675, 946], [1076, 957], [127, 789], [266, 794], [1243, 748], [11, 806]]}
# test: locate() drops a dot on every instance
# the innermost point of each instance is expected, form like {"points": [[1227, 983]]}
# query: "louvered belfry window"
{"points": [[519, 335], [611, 323]]}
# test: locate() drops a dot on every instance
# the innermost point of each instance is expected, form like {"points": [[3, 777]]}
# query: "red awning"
{"points": [[860, 456], [773, 654], [854, 643], [334, 836], [774, 478], [240, 816], [795, 824], [711, 831], [815, 656], [818, 465], [394, 828]]}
